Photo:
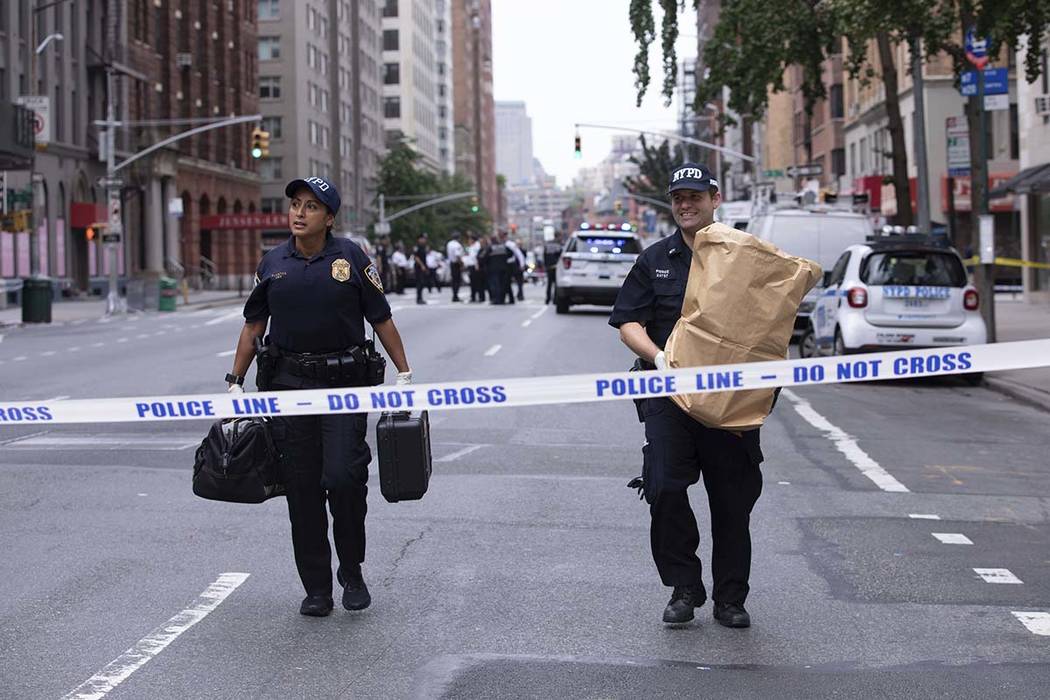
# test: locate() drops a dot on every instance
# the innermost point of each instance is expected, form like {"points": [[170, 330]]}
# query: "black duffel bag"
{"points": [[237, 462]]}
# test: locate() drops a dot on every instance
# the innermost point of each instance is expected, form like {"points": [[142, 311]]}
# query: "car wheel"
{"points": [[807, 344], [561, 305], [840, 347]]}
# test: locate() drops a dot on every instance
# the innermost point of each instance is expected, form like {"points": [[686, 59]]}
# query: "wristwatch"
{"points": [[235, 379]]}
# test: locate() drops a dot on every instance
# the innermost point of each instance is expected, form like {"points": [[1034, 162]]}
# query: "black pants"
{"points": [[477, 284], [457, 279], [421, 281], [324, 458], [678, 452], [550, 285], [498, 280]]}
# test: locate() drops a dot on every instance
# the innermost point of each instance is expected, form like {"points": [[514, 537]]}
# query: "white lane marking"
{"points": [[1036, 622], [75, 348], [97, 345], [997, 576], [161, 333], [847, 445], [225, 317], [111, 442], [784, 483], [539, 313], [19, 358], [923, 516], [61, 397], [140, 336], [122, 340], [459, 453], [119, 669], [78, 322], [225, 353], [526, 323], [488, 353], [952, 538], [47, 353]]}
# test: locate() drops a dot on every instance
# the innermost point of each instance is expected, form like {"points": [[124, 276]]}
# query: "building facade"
{"points": [[320, 65], [445, 85], [514, 159], [410, 77], [473, 104]]}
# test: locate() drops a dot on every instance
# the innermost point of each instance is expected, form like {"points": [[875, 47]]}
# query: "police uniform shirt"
{"points": [[654, 290], [317, 304]]}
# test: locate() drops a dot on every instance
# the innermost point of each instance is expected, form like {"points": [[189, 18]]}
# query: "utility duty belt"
{"points": [[358, 365]]}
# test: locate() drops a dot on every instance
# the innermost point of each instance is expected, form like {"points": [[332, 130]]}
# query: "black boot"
{"points": [[355, 592], [316, 605], [684, 598], [731, 615]]}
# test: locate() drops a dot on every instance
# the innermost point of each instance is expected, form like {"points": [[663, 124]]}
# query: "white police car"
{"points": [[894, 294], [594, 263]]}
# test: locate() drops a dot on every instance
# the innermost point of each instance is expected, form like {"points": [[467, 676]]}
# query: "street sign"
{"points": [[382, 228], [111, 238], [976, 49], [807, 170], [958, 134], [110, 182], [996, 102], [772, 173], [40, 105], [996, 82]]}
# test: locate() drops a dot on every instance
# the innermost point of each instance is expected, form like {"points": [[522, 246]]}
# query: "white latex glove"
{"points": [[404, 378], [660, 361], [235, 389]]}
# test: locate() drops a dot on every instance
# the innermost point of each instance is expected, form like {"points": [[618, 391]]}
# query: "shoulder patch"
{"points": [[372, 273]]}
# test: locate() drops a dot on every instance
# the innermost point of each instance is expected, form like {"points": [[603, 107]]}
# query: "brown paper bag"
{"points": [[740, 304]]}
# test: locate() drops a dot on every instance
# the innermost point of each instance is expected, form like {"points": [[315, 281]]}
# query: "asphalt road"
{"points": [[525, 571]]}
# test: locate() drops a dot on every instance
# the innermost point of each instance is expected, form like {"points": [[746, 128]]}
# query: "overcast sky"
{"points": [[570, 61]]}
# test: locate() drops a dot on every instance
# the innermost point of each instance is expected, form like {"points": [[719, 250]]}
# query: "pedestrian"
{"points": [[455, 253], [433, 265], [551, 256], [477, 273], [398, 263], [419, 259], [383, 262], [678, 449], [517, 269], [315, 293]]}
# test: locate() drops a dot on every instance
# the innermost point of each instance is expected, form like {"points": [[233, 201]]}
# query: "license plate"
{"points": [[892, 291], [916, 303]]}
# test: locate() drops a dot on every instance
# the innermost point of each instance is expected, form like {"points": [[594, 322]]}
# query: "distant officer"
{"points": [[551, 256], [454, 252], [419, 263], [678, 449], [316, 291]]}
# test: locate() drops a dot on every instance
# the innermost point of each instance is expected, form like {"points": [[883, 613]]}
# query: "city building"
{"points": [[410, 78], [445, 85], [817, 137], [473, 103], [320, 64], [514, 159]]}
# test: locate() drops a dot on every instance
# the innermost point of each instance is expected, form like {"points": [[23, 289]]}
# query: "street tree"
{"points": [[654, 170]]}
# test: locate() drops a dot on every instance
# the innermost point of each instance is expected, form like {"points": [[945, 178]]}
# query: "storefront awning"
{"points": [[1029, 181]]}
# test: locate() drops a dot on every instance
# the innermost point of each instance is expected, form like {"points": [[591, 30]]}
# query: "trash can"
{"points": [[36, 300], [168, 292]]}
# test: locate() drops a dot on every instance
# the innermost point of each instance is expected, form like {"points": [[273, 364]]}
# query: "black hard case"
{"points": [[403, 440]]}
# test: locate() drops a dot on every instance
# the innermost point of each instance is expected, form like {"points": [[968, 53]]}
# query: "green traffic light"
{"points": [[256, 152], [474, 208]]}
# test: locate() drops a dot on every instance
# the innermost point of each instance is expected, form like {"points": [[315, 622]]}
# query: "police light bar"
{"points": [[625, 227], [584, 227]]}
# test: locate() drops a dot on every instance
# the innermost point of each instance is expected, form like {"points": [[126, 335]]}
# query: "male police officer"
{"points": [[551, 256], [316, 291], [678, 449]]}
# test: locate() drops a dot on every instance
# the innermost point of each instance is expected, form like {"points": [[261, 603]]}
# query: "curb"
{"points": [[1025, 394], [211, 303]]}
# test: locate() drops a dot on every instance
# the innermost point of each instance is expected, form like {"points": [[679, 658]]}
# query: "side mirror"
{"points": [[826, 279]]}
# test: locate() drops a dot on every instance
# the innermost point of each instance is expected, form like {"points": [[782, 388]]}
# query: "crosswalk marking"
{"points": [[952, 538], [997, 576], [1035, 622]]}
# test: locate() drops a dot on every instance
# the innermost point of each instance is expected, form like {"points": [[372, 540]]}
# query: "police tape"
{"points": [[536, 391], [1010, 262]]}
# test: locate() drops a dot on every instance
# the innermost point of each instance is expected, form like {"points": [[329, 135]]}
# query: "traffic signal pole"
{"points": [[382, 227], [670, 137], [113, 237]]}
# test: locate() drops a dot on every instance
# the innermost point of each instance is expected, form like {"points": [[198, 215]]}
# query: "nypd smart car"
{"points": [[895, 294]]}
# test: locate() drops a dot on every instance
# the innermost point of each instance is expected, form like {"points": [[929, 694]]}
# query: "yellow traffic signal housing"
{"points": [[474, 205], [578, 151], [260, 143]]}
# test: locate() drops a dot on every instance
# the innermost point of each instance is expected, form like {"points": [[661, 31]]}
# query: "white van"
{"points": [[817, 234]]}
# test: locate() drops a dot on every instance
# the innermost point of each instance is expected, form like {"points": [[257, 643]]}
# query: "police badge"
{"points": [[341, 270], [372, 273]]}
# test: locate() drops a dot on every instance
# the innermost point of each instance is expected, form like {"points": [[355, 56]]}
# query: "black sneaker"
{"points": [[316, 605], [680, 608], [355, 592], [731, 615]]}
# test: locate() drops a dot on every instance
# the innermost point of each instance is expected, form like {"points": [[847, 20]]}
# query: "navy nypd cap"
{"points": [[691, 176], [322, 189]]}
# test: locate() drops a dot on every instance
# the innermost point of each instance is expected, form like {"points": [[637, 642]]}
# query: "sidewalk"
{"points": [[67, 310], [1017, 320]]}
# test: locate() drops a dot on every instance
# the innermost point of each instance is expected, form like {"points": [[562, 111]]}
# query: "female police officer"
{"points": [[316, 291], [678, 449]]}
